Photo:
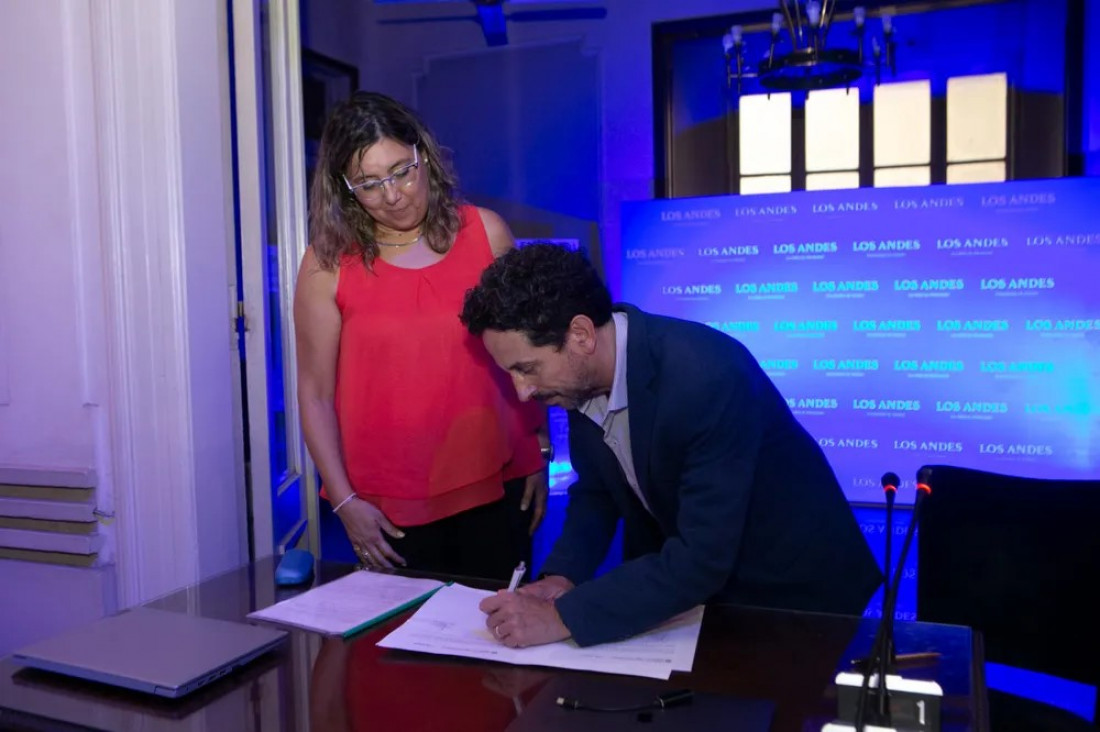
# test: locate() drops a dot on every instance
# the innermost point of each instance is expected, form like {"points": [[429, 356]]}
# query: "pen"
{"points": [[907, 660], [517, 575]]}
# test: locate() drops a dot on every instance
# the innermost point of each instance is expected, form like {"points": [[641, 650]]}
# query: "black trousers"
{"points": [[487, 541]]}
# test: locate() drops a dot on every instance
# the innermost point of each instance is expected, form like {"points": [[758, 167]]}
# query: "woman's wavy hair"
{"points": [[338, 225]]}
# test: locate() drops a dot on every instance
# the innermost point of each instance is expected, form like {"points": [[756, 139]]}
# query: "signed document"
{"points": [[450, 623]]}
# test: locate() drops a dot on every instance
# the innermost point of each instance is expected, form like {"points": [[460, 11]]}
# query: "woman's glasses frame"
{"points": [[373, 190]]}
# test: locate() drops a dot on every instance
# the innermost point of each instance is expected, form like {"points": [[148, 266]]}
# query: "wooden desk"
{"points": [[789, 658]]}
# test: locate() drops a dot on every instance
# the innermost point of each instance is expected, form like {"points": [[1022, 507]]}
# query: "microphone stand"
{"points": [[880, 658], [886, 655], [890, 483]]}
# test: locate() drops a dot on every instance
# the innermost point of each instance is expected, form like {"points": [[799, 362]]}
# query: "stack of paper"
{"points": [[450, 623], [349, 604]]}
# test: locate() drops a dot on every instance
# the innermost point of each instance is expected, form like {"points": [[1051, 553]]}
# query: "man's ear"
{"points": [[581, 335]]}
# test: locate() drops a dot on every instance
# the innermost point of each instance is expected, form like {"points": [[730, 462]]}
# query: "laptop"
{"points": [[169, 654]]}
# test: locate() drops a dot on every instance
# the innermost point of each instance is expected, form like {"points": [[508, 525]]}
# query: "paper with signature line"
{"points": [[450, 624]]}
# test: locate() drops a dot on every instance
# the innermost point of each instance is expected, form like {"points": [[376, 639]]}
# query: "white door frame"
{"points": [[288, 157]]}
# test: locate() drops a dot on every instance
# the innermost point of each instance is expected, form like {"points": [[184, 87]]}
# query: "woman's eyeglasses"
{"points": [[372, 191]]}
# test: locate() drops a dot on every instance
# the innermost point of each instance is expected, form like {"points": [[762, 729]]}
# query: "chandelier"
{"points": [[810, 63]]}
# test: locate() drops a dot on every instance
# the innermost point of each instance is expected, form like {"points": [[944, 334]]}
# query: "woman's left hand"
{"points": [[535, 488]]}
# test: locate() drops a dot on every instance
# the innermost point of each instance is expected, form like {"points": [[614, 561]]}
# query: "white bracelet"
{"points": [[338, 506]]}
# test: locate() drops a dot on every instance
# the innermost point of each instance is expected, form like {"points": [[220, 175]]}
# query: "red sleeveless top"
{"points": [[429, 425]]}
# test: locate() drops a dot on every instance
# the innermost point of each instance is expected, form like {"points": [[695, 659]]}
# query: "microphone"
{"points": [[890, 482], [882, 647]]}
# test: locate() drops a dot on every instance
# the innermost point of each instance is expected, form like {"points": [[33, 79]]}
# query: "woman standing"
{"points": [[413, 428]]}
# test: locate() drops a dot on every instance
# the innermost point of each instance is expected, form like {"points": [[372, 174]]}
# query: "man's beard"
{"points": [[571, 398]]}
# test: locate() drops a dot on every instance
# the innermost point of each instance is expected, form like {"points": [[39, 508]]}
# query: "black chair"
{"points": [[1019, 560]]}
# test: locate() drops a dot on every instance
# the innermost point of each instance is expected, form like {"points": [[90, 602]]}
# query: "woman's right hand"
{"points": [[367, 527]]}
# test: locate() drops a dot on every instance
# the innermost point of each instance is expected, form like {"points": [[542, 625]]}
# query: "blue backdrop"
{"points": [[954, 324]]}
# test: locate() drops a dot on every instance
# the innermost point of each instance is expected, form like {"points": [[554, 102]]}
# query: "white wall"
{"points": [[52, 360], [48, 249], [115, 236]]}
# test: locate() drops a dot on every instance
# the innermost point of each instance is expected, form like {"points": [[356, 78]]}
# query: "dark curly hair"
{"points": [[338, 225], [537, 290]]}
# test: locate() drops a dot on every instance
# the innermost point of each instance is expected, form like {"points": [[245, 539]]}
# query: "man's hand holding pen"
{"points": [[521, 617], [548, 588], [519, 621]]}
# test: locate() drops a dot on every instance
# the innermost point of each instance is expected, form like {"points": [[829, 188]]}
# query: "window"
{"points": [[765, 143], [832, 139], [899, 143], [903, 134], [977, 120]]}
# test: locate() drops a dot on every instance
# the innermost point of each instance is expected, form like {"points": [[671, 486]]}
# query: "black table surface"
{"points": [[318, 683]]}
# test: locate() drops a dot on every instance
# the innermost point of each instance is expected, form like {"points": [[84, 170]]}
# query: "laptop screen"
{"points": [[155, 651]]}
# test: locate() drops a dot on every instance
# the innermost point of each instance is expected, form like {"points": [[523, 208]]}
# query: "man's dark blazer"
{"points": [[745, 506]]}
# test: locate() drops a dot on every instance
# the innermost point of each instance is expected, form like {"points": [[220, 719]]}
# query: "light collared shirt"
{"points": [[610, 411]]}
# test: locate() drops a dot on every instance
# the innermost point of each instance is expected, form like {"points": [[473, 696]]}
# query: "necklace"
{"points": [[400, 243]]}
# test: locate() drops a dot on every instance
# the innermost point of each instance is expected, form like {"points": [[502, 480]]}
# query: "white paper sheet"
{"points": [[450, 623], [349, 604]]}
